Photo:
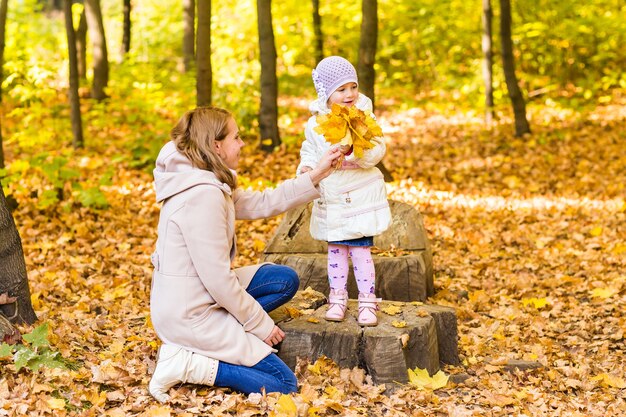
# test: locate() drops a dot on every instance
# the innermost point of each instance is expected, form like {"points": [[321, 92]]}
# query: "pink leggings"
{"points": [[363, 267]]}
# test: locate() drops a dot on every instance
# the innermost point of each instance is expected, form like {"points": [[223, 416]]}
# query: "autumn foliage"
{"points": [[348, 126]]}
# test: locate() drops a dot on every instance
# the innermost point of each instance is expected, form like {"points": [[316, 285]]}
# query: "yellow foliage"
{"points": [[419, 378], [349, 126], [398, 324], [285, 407], [537, 303], [391, 310]]}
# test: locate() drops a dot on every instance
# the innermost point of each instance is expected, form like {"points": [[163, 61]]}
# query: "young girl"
{"points": [[353, 206]]}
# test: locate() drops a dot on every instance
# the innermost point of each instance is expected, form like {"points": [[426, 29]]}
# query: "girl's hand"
{"points": [[326, 165], [305, 169], [275, 337]]}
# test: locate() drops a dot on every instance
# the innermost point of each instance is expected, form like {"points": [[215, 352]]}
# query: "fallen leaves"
{"points": [[421, 379], [528, 247]]}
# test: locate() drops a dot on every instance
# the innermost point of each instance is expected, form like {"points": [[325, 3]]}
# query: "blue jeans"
{"points": [[272, 286]]}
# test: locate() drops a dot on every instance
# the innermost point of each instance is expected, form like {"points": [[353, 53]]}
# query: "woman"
{"points": [[213, 320]]}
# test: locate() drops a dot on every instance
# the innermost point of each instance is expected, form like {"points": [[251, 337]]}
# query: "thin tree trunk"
{"points": [[81, 46], [3, 22], [189, 33], [317, 30], [100, 55], [508, 63], [367, 48], [204, 75], [77, 124], [488, 60], [126, 28], [268, 113], [13, 277]]}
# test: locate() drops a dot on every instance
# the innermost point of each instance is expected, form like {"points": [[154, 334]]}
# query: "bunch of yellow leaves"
{"points": [[349, 126]]}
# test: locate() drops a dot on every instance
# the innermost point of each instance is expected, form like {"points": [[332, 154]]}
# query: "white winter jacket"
{"points": [[353, 200]]}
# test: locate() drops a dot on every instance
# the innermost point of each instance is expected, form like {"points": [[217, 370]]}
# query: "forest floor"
{"points": [[529, 247]]}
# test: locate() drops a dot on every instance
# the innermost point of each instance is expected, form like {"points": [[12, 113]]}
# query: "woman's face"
{"points": [[346, 95], [229, 147]]}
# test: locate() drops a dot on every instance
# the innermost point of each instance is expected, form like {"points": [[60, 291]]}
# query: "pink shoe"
{"points": [[368, 305], [338, 300]]}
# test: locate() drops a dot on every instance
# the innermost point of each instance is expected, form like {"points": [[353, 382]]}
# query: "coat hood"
{"points": [[174, 173], [319, 107]]}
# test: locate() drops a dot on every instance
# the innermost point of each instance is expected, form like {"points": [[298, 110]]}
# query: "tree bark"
{"points": [[77, 124], [204, 75], [13, 278], [3, 22], [126, 28], [189, 33], [487, 40], [268, 113], [317, 30], [508, 63], [100, 55], [367, 48], [81, 46]]}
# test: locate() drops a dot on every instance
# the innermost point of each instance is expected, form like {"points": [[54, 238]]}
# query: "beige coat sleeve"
{"points": [[205, 230], [261, 204]]}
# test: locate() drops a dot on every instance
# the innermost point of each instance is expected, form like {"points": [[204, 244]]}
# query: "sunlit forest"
{"points": [[528, 228]]}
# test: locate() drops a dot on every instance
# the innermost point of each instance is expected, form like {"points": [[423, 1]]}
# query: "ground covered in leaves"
{"points": [[529, 246]]}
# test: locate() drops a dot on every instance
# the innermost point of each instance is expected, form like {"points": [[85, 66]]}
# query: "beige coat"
{"points": [[197, 301]]}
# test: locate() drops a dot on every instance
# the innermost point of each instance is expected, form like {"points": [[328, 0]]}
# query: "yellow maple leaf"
{"points": [[420, 378], [294, 313], [258, 245], [610, 380], [312, 320], [538, 303], [398, 324], [596, 231], [56, 403], [349, 126], [285, 407], [604, 292], [391, 310]]}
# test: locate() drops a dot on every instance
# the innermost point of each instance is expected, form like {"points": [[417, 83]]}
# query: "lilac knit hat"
{"points": [[331, 73]]}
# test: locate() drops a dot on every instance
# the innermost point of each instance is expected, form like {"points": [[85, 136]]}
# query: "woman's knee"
{"points": [[290, 278]]}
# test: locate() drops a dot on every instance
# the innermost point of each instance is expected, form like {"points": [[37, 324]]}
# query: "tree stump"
{"points": [[403, 261], [416, 335]]}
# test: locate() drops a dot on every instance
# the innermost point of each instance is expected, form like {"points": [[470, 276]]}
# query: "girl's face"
{"points": [[229, 147], [346, 95]]}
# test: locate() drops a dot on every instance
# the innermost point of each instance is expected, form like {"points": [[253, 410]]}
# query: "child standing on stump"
{"points": [[353, 206]]}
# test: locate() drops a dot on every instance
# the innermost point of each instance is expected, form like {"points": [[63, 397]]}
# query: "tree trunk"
{"points": [[189, 33], [268, 113], [13, 278], [3, 23], [204, 75], [77, 124], [367, 48], [508, 63], [100, 55], [81, 46], [488, 60], [317, 30], [126, 30]]}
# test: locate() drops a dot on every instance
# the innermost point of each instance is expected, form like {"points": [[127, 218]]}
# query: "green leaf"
{"points": [[6, 350], [23, 356], [48, 359], [38, 337]]}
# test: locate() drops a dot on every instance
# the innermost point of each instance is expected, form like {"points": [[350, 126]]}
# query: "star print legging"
{"points": [[362, 264]]}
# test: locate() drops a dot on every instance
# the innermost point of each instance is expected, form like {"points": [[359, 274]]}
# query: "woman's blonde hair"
{"points": [[195, 135]]}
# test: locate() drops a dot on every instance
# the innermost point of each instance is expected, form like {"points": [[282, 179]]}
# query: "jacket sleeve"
{"points": [[371, 156], [291, 193], [308, 151], [206, 238]]}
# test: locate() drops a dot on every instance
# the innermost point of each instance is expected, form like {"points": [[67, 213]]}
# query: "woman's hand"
{"points": [[275, 337], [326, 165]]}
